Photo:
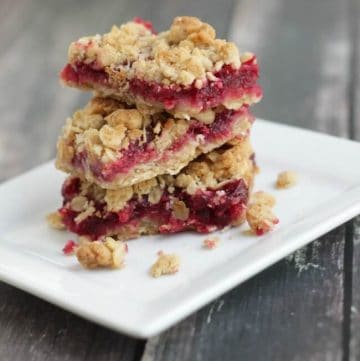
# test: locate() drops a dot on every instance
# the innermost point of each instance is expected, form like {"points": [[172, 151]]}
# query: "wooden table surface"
{"points": [[306, 307]]}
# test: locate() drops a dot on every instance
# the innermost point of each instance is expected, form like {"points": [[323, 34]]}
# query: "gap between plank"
{"points": [[139, 349]]}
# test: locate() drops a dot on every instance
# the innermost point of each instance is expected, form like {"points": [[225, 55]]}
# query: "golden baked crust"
{"points": [[263, 198], [187, 52], [106, 127]]}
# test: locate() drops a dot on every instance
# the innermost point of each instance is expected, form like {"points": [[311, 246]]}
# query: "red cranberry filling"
{"points": [[70, 189], [84, 75], [210, 209], [142, 152], [147, 24], [231, 84], [69, 247]]}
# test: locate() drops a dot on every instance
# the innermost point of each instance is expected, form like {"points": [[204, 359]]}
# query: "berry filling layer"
{"points": [[204, 211], [229, 85]]}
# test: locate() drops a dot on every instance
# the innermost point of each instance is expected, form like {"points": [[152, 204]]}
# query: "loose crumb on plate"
{"points": [[166, 264], [286, 179], [102, 254], [210, 243], [70, 247], [259, 214], [54, 220], [261, 218]]}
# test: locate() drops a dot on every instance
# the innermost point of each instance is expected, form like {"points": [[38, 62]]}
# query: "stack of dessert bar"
{"points": [[163, 146]]}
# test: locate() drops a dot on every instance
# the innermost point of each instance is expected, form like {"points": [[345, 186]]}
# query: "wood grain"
{"points": [[294, 310], [355, 306], [354, 347], [33, 330]]}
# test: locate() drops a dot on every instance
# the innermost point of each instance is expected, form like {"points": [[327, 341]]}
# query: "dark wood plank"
{"points": [[355, 306], [294, 310], [355, 134], [33, 330]]}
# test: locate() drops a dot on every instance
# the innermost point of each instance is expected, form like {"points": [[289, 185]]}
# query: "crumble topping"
{"points": [[187, 52], [87, 212], [180, 211], [102, 254], [103, 106], [116, 199], [54, 220], [286, 179], [263, 198], [166, 264], [222, 164], [210, 243], [79, 203]]}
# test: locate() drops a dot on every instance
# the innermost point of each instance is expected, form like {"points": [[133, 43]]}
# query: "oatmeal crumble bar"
{"points": [[286, 179], [108, 253], [166, 264], [113, 145], [209, 194], [185, 69]]}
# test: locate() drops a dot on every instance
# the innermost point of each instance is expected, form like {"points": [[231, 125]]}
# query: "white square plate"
{"points": [[129, 300]]}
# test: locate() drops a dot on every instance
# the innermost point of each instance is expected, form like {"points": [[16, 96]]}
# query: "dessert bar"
{"points": [[113, 145], [209, 194], [185, 70]]}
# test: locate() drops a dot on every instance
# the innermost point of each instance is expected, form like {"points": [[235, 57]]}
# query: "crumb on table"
{"points": [[54, 220], [105, 254], [166, 264], [286, 179], [210, 243]]}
